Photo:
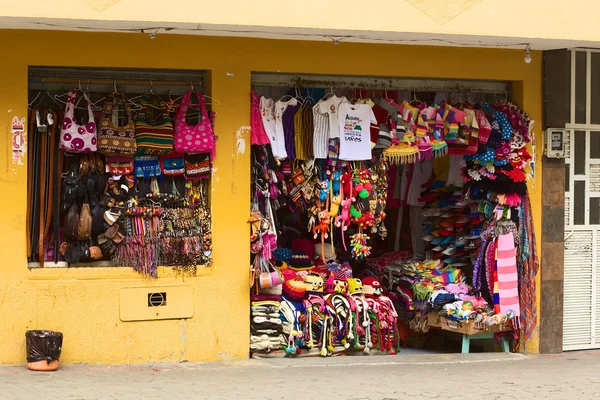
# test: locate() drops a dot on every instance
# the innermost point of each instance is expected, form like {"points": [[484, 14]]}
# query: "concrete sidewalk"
{"points": [[443, 376]]}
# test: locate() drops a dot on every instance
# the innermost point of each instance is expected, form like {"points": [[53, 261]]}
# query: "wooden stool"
{"points": [[466, 341]]}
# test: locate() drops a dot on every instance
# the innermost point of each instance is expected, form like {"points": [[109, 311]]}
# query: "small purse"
{"points": [[197, 166], [119, 165], [172, 165], [147, 167], [298, 176]]}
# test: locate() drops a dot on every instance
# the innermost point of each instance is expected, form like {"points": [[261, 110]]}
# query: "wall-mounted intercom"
{"points": [[555, 143]]}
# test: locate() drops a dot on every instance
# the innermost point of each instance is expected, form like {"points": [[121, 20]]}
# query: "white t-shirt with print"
{"points": [[355, 132], [280, 108], [331, 106]]}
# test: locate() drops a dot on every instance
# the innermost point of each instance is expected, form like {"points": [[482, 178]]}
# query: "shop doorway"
{"points": [[403, 233]]}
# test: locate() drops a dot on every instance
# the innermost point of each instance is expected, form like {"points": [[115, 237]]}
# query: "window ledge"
{"points": [[101, 270]]}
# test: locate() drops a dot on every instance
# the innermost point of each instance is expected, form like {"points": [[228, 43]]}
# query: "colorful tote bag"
{"points": [[75, 138], [153, 136], [112, 138], [197, 138]]}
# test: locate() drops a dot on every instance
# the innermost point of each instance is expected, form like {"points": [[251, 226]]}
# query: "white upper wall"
{"points": [[514, 21]]}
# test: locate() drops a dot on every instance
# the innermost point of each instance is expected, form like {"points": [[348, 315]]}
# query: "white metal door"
{"points": [[581, 323]]}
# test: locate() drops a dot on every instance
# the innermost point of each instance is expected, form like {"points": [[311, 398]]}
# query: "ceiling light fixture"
{"points": [[527, 58]]}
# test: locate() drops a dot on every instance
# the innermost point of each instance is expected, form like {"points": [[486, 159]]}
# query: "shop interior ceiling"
{"points": [[275, 84], [291, 33], [105, 80]]}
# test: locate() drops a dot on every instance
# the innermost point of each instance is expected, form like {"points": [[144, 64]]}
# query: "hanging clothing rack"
{"points": [[261, 79], [84, 82], [103, 80]]}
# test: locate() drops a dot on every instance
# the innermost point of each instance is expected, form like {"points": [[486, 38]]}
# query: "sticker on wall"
{"points": [[19, 143]]}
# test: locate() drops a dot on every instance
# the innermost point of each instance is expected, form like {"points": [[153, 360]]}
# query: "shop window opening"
{"points": [[386, 210], [119, 167]]}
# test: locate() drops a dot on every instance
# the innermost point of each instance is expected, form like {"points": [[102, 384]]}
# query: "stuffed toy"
{"points": [[334, 209], [360, 248], [324, 191], [323, 226], [335, 183], [346, 185], [364, 221], [362, 190], [343, 219]]}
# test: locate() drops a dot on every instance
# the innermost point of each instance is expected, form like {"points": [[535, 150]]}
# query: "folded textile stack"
{"points": [[456, 302], [452, 225], [266, 326]]}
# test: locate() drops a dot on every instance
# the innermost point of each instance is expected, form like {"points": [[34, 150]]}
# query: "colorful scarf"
{"points": [[508, 280], [528, 266]]}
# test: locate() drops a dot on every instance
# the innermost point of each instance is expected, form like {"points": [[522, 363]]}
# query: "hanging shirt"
{"points": [[289, 129], [258, 135], [330, 107], [320, 132], [354, 131], [280, 108], [267, 112]]}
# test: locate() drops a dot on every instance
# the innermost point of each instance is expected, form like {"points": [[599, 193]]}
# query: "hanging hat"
{"points": [[294, 289], [282, 254], [517, 141], [313, 283], [336, 283], [371, 286], [355, 286]]}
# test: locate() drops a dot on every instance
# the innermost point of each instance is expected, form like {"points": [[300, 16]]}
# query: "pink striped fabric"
{"points": [[508, 280]]}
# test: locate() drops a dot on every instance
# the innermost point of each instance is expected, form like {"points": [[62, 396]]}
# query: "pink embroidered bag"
{"points": [[197, 138], [76, 138]]}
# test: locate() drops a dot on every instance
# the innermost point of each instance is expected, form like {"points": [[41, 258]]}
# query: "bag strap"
{"points": [[183, 107], [89, 107], [202, 103], [115, 101], [70, 111], [110, 100]]}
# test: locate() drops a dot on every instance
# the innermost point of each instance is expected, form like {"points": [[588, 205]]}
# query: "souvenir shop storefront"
{"points": [[418, 211], [379, 214]]}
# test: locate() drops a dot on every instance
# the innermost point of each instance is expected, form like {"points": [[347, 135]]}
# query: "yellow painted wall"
{"points": [[548, 19], [84, 303]]}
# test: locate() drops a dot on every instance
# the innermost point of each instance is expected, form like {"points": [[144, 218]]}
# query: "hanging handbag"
{"points": [[197, 166], [112, 138], [72, 222], [84, 229], [197, 138], [76, 138], [172, 165], [119, 165], [153, 136]]}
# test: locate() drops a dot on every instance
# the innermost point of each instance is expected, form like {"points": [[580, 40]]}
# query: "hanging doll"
{"points": [[323, 226]]}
